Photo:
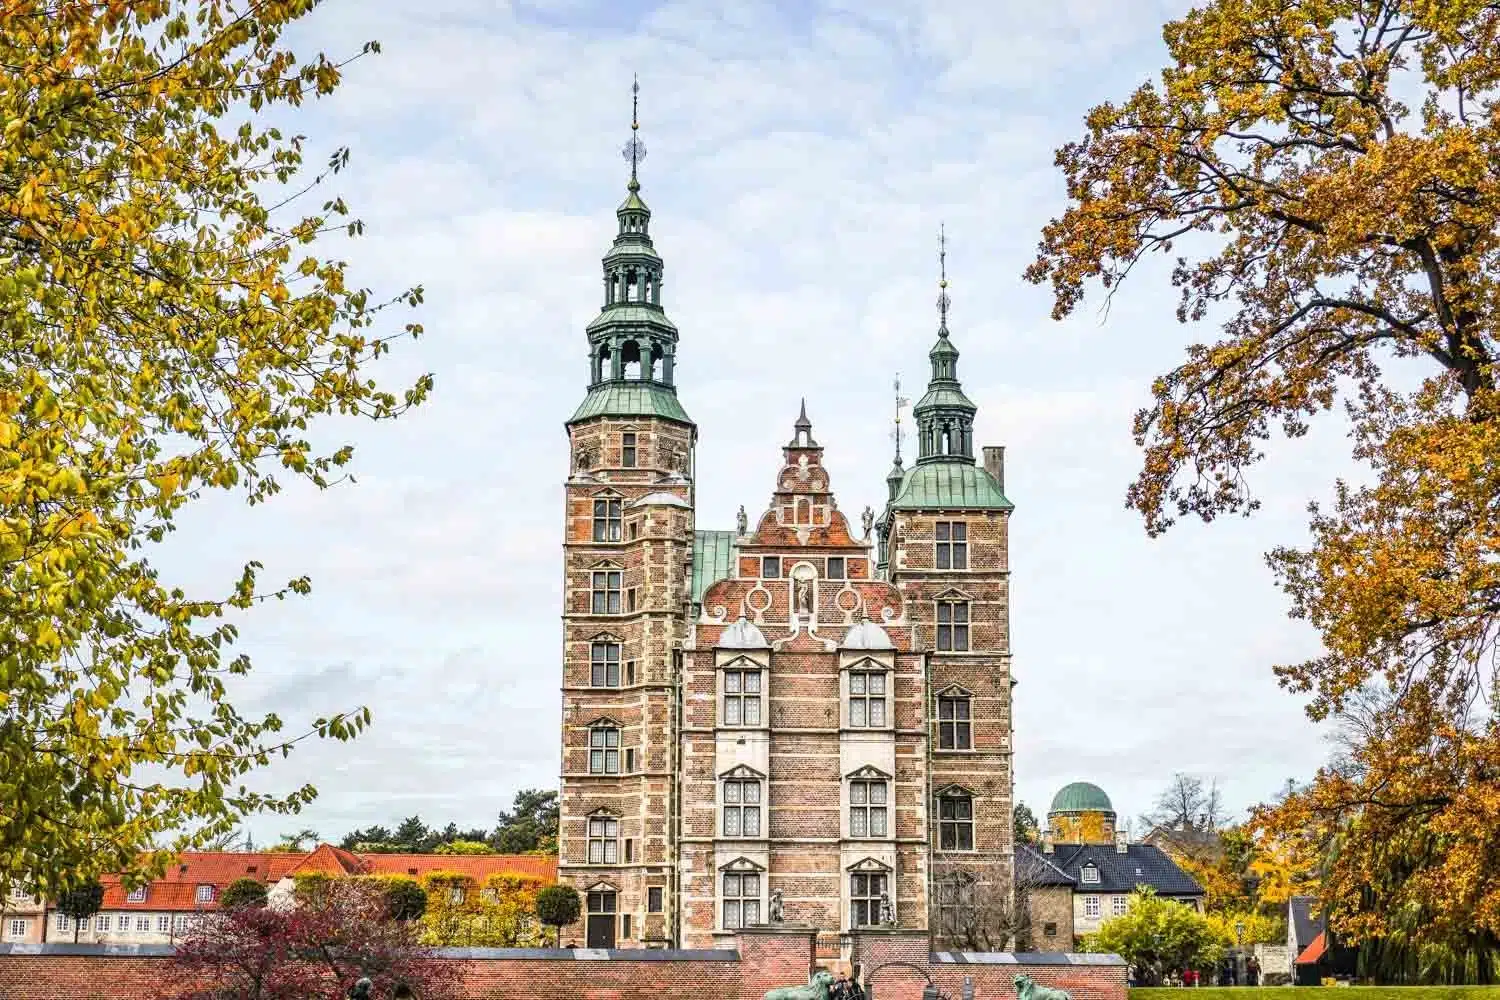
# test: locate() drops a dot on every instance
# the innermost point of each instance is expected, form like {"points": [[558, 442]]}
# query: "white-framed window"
{"points": [[953, 626], [163, 923], [205, 894], [742, 697], [1090, 906], [179, 922], [137, 895], [956, 821], [142, 924], [456, 895], [867, 807], [1121, 905], [606, 592], [606, 520], [741, 900], [952, 541], [18, 928], [865, 892], [1090, 874], [604, 664], [102, 923], [604, 750], [867, 699], [835, 569], [741, 807], [604, 840], [62, 922], [955, 731]]}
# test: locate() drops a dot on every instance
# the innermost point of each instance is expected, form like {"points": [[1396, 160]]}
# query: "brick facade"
{"points": [[755, 963]]}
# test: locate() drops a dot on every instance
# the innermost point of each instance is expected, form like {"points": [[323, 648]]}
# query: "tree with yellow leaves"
{"points": [[1324, 174], [169, 331]]}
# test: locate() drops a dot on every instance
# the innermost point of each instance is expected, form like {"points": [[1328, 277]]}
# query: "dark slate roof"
{"points": [[1141, 864], [1305, 926], [1035, 870]]}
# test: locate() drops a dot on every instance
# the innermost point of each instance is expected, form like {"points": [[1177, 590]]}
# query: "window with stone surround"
{"points": [[956, 821], [868, 805], [653, 899], [607, 520], [952, 541], [741, 803], [954, 726], [604, 664], [865, 891], [953, 626], [1090, 906], [742, 697], [741, 899], [604, 840], [627, 449], [770, 567], [867, 692], [604, 750], [835, 568], [606, 592]]}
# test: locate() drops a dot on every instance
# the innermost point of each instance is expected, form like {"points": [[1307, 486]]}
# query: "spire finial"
{"points": [[942, 300], [901, 403], [635, 150]]}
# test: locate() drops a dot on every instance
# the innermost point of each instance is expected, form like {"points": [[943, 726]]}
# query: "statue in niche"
{"points": [[802, 594], [775, 914], [887, 910], [868, 519], [742, 521], [585, 458]]}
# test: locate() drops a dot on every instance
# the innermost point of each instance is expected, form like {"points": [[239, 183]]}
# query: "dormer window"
{"points": [[205, 894], [1090, 874], [136, 895]]}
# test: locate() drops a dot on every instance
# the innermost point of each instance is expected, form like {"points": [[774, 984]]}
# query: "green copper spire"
{"points": [[632, 343], [945, 416]]}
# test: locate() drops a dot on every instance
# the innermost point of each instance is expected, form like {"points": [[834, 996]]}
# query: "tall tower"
{"points": [[943, 542], [627, 555]]}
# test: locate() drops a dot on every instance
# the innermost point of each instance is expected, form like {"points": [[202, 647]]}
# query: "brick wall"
{"points": [[761, 961]]}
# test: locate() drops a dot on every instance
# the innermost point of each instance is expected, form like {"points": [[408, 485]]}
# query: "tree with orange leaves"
{"points": [[1344, 231]]}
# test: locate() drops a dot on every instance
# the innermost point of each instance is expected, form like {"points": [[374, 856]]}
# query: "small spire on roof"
{"points": [[635, 150], [802, 429], [942, 299]]}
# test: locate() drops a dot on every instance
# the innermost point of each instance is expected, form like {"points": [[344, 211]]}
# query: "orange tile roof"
{"points": [[329, 860], [476, 866], [1314, 950]]}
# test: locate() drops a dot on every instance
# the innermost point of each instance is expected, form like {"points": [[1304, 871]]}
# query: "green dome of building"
{"points": [[1081, 796]]}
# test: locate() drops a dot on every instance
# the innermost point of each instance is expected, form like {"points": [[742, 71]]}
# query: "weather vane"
{"points": [[635, 149], [900, 403], [942, 300]]}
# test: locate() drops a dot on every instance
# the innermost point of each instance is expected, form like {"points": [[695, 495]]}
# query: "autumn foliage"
{"points": [[171, 329], [1324, 176]]}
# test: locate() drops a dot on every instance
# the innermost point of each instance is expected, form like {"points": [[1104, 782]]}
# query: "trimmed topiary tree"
{"points": [[558, 906], [244, 891], [80, 903]]}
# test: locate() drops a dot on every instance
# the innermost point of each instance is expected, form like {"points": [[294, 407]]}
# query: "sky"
{"points": [[801, 157]]}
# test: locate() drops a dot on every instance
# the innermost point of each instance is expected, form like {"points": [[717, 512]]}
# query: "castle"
{"points": [[791, 720]]}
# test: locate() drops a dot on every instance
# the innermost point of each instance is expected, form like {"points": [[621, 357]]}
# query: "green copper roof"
{"points": [[945, 395], [631, 313], [943, 348], [713, 560], [631, 399], [1081, 796], [949, 486]]}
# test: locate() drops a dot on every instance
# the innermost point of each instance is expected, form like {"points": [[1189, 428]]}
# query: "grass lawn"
{"points": [[1321, 993]]}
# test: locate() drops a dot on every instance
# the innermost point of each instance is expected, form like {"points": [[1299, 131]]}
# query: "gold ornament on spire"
{"points": [[942, 300], [634, 150]]}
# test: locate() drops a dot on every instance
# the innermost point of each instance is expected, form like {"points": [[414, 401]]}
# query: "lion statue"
{"points": [[1027, 989], [818, 990]]}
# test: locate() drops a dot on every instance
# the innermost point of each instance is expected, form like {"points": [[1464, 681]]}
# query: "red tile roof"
{"points": [[177, 889], [1314, 950]]}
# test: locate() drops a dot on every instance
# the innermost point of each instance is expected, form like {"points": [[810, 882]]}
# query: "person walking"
{"points": [[1252, 972]]}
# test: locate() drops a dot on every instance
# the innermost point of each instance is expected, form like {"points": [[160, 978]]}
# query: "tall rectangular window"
{"points": [[102, 923], [956, 823], [742, 807], [955, 898], [954, 727], [835, 569], [604, 750], [741, 899], [953, 626], [604, 664], [867, 699], [865, 892], [952, 545], [653, 899], [867, 808], [606, 520], [606, 590], [604, 840], [742, 697], [627, 449], [1090, 906]]}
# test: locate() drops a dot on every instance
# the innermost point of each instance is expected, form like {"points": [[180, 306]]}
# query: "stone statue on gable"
{"points": [[868, 518], [742, 521]]}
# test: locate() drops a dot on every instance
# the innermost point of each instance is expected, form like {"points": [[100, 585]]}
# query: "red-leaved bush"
{"points": [[314, 951]]}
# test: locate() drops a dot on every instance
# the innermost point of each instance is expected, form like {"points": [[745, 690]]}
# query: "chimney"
{"points": [[1122, 842], [994, 463]]}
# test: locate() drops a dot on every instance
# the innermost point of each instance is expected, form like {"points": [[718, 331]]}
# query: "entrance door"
{"points": [[601, 919]]}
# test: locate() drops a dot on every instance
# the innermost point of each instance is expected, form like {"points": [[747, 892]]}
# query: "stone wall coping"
{"points": [[530, 954], [777, 929], [1025, 958]]}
